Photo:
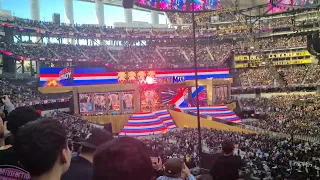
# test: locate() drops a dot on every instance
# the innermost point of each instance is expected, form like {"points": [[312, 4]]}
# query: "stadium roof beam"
{"points": [[68, 11], [35, 10], [100, 12], [117, 3]]}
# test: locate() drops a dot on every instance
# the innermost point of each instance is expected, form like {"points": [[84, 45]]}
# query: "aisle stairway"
{"points": [[145, 124]]}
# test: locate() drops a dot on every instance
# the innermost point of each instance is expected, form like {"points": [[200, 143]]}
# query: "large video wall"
{"points": [[180, 5], [112, 102], [184, 97], [57, 77], [295, 4], [119, 102]]}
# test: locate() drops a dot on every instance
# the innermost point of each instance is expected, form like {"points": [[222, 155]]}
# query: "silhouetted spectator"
{"points": [[122, 158]]}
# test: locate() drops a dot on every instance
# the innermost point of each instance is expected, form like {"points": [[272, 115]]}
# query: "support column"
{"points": [[35, 10], [128, 15], [100, 12], [68, 12], [38, 65], [154, 17]]}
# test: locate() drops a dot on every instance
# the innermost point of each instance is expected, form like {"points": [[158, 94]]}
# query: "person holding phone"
{"points": [[6, 105]]}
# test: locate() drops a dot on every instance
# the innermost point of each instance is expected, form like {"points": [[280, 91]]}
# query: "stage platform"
{"points": [[142, 124]]}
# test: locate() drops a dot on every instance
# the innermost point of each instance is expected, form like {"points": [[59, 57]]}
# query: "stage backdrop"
{"points": [[57, 77]]}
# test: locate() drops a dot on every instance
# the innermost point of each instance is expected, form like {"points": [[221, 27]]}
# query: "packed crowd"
{"points": [[76, 127], [23, 91], [264, 156], [313, 75], [289, 114], [255, 156], [26, 138], [230, 22], [166, 55], [125, 56], [282, 76], [257, 77], [233, 25], [282, 42]]}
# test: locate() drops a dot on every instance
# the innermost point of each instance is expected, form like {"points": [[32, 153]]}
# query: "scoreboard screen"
{"points": [[57, 77], [180, 5]]}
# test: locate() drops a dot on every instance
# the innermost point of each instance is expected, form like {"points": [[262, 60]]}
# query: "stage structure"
{"points": [[97, 91], [128, 98]]}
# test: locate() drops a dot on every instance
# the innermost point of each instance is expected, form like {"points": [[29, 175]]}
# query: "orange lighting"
{"points": [[52, 83]]}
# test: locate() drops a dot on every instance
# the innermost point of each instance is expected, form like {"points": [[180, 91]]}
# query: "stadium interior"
{"points": [[257, 82]]}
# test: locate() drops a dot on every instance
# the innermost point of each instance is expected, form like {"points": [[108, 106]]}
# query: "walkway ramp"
{"points": [[184, 120], [145, 124], [221, 112]]}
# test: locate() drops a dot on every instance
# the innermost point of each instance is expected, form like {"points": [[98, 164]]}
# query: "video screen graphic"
{"points": [[127, 100], [114, 101], [281, 7], [177, 96], [220, 93], [100, 102], [57, 77], [66, 77], [85, 102], [149, 100], [202, 91], [184, 97], [168, 94], [181, 5]]}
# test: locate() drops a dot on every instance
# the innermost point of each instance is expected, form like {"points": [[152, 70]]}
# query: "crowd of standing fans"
{"points": [[61, 146], [23, 91], [167, 55], [173, 54], [26, 138], [281, 76], [290, 114]]}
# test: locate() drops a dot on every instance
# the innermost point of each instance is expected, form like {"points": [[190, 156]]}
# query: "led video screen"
{"points": [[295, 4], [184, 97], [58, 77], [99, 100], [202, 96], [180, 5], [85, 102], [114, 101], [149, 100], [128, 100]]}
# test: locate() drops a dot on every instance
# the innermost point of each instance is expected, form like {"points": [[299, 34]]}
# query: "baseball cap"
{"points": [[173, 167], [96, 138], [21, 116]]}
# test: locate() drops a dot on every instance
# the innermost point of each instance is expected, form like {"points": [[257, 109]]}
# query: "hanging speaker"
{"points": [[315, 42], [128, 4], [310, 45]]}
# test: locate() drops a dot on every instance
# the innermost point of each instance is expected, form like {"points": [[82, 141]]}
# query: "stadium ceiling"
{"points": [[257, 7], [117, 3], [242, 4]]}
